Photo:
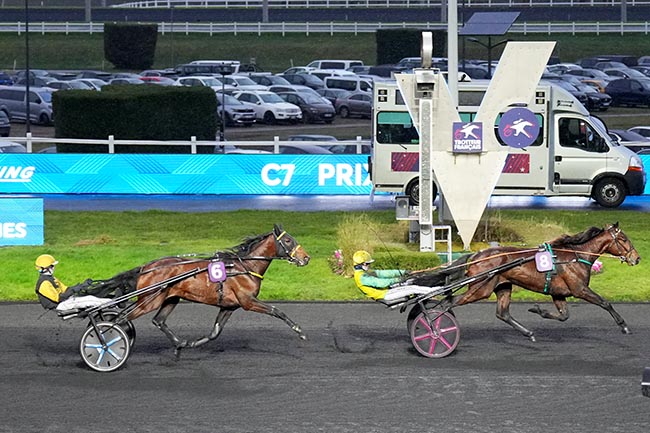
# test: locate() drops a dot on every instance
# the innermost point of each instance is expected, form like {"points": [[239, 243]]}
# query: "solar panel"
{"points": [[488, 23]]}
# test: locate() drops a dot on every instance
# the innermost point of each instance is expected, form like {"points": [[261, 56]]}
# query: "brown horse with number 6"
{"points": [[233, 284]]}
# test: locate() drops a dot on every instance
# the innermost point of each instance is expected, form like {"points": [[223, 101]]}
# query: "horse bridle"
{"points": [[289, 254], [614, 232]]}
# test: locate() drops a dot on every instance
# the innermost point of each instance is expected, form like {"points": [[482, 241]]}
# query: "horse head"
{"points": [[287, 247], [621, 246]]}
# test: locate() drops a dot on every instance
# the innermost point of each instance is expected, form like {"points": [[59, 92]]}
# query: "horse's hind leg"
{"points": [[219, 323], [590, 296], [503, 293], [159, 321], [254, 304], [561, 306]]}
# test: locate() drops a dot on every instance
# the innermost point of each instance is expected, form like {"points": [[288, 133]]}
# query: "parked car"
{"points": [[241, 82], [630, 139], [313, 108], [629, 91], [589, 73], [304, 80], [304, 148], [333, 94], [12, 147], [158, 81], [608, 64], [13, 101], [269, 107], [94, 83], [311, 137], [229, 149], [643, 131], [102, 75], [597, 84], [644, 69], [237, 113], [5, 124], [125, 81], [354, 104], [269, 79], [204, 81], [68, 85], [596, 101], [346, 146], [297, 70], [5, 79], [623, 73]]}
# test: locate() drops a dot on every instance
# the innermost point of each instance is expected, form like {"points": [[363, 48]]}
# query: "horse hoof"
{"points": [[303, 337], [532, 338], [535, 310], [625, 330]]}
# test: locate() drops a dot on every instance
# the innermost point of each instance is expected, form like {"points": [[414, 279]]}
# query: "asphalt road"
{"points": [[356, 372]]}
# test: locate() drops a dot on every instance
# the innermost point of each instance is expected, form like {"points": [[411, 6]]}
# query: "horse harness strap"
{"points": [[553, 271]]}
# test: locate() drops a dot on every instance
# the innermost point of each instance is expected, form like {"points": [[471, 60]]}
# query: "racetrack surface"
{"points": [[356, 372]]}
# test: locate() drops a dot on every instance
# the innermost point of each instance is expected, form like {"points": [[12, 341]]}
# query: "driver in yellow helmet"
{"points": [[374, 283], [50, 289], [52, 293]]}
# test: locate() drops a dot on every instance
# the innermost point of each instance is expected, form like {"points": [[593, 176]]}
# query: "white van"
{"points": [[334, 64], [349, 83], [324, 73], [13, 103], [572, 156]]}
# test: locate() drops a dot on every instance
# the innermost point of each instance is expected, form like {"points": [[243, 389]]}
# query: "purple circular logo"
{"points": [[518, 127]]}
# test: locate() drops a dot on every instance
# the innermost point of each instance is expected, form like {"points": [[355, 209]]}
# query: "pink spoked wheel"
{"points": [[435, 339]]}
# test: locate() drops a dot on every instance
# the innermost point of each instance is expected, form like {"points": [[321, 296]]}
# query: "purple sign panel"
{"points": [[468, 137], [518, 127]]}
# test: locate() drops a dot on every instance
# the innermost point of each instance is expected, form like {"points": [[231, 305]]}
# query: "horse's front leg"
{"points": [[254, 304], [561, 306], [503, 292], [219, 323], [590, 296]]}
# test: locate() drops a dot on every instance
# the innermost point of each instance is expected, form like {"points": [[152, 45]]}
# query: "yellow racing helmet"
{"points": [[361, 257], [44, 261]]}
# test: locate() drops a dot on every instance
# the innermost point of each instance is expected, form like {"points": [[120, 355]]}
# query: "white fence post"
{"points": [[111, 144]]}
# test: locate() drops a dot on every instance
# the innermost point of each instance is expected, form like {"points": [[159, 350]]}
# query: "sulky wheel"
{"points": [[417, 309], [112, 316], [105, 346], [438, 338]]}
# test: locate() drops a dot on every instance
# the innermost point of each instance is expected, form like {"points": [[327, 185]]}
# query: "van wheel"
{"points": [[609, 192], [269, 118], [344, 112], [44, 119], [413, 191]]}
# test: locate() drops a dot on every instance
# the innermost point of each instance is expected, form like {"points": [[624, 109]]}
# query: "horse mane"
{"points": [[577, 239], [243, 249]]}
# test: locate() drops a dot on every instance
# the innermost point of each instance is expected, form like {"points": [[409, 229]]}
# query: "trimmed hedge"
{"points": [[395, 44], [135, 112], [130, 46]]}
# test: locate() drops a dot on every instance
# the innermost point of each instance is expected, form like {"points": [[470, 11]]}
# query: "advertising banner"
{"points": [[184, 174], [21, 221]]}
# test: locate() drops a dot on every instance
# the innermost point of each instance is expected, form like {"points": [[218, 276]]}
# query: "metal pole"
{"points": [[452, 50], [222, 124], [28, 74]]}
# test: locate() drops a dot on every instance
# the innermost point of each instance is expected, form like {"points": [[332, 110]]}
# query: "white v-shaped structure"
{"points": [[467, 180]]}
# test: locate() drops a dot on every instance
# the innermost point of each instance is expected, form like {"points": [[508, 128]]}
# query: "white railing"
{"points": [[272, 146], [319, 27], [285, 4]]}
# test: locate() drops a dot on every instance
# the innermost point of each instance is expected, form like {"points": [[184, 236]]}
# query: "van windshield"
{"points": [[46, 97]]}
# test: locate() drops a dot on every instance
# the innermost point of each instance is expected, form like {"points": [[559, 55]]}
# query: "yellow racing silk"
{"points": [[375, 284]]}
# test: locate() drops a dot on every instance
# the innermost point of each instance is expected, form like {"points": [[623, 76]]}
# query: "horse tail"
{"points": [[118, 285], [441, 276]]}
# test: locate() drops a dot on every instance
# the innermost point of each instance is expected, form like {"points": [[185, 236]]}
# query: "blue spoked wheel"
{"points": [[105, 347], [436, 338]]}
